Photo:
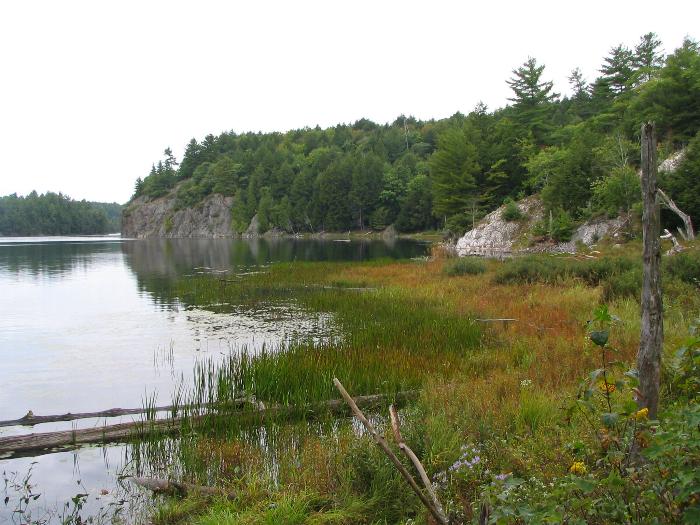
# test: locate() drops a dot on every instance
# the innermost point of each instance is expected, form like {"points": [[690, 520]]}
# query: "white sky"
{"points": [[92, 92]]}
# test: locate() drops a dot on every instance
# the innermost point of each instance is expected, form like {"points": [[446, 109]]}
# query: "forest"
{"points": [[56, 214], [579, 152]]}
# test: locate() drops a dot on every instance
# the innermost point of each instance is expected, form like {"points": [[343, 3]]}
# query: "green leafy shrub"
{"points": [[562, 227], [458, 224], [684, 266], [627, 284], [464, 266], [620, 191], [511, 212], [607, 482]]}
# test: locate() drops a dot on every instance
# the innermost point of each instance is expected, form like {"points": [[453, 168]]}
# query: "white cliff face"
{"points": [[158, 218], [494, 235], [672, 162]]}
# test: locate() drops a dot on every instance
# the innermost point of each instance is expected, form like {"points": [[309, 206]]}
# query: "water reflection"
{"points": [[88, 324]]}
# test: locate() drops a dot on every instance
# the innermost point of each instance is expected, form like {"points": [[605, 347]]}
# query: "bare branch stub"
{"points": [[437, 514]]}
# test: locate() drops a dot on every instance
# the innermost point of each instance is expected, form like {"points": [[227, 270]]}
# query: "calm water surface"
{"points": [[88, 324]]}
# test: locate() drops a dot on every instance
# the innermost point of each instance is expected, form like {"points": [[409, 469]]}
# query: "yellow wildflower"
{"points": [[578, 467], [609, 387], [641, 414]]}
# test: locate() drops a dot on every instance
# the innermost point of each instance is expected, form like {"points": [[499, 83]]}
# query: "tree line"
{"points": [[580, 152], [56, 214]]}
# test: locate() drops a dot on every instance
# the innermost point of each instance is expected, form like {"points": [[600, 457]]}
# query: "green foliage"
{"points": [[453, 168], [617, 193], [464, 266], [533, 99], [240, 218], [578, 151], [113, 213], [417, 209], [511, 212], [552, 269], [672, 97], [54, 214], [684, 266], [607, 482], [562, 226]]}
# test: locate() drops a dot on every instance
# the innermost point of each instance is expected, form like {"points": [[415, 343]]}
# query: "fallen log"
{"points": [[179, 489], [123, 432], [29, 419]]}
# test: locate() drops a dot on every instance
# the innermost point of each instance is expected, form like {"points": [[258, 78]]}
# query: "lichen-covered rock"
{"points": [[253, 229], [158, 218], [494, 235], [672, 162]]}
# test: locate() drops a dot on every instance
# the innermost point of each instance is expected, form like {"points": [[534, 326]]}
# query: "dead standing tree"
{"points": [[652, 332]]}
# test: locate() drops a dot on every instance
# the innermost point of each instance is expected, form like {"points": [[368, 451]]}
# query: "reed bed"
{"points": [[501, 388]]}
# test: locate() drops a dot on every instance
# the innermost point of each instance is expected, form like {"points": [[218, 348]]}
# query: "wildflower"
{"points": [[578, 467], [501, 477], [606, 387], [641, 414], [526, 383]]}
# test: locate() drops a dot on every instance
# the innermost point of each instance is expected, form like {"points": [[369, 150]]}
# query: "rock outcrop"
{"points": [[494, 236], [145, 218]]}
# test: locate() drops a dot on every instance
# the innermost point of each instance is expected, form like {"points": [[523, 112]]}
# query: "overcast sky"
{"points": [[92, 92]]}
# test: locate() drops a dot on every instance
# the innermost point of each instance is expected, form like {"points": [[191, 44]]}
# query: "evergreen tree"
{"points": [[366, 186], [533, 98], [453, 168], [618, 69], [240, 219], [265, 209], [417, 207], [578, 84], [647, 59]]}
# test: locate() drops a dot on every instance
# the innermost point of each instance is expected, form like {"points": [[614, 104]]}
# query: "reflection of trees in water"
{"points": [[158, 263], [53, 258]]}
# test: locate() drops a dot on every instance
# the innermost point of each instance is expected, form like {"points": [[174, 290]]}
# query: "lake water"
{"points": [[92, 323]]}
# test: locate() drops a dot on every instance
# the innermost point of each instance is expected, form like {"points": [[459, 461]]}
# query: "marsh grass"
{"points": [[408, 327], [464, 266]]}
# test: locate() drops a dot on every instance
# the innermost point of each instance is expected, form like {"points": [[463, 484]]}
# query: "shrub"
{"points": [[511, 212], [531, 269], [627, 284], [562, 227], [458, 224], [550, 270], [464, 266], [684, 266]]}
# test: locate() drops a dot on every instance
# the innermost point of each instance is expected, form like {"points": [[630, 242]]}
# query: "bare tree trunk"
{"points": [[689, 233], [652, 334]]}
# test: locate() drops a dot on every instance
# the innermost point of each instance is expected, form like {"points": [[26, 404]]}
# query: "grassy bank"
{"points": [[499, 417]]}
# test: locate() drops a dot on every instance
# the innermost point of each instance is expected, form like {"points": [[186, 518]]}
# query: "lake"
{"points": [[91, 323]]}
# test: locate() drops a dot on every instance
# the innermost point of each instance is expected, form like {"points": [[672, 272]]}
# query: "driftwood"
{"points": [[29, 419], [32, 443], [379, 439], [689, 233], [394, 416], [652, 331], [677, 248], [179, 489]]}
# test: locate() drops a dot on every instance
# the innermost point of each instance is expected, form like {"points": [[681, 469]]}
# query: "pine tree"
{"points": [[533, 98], [453, 168], [579, 86], [618, 70], [647, 59]]}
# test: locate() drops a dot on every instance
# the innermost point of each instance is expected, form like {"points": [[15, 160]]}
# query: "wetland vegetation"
{"points": [[508, 415]]}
